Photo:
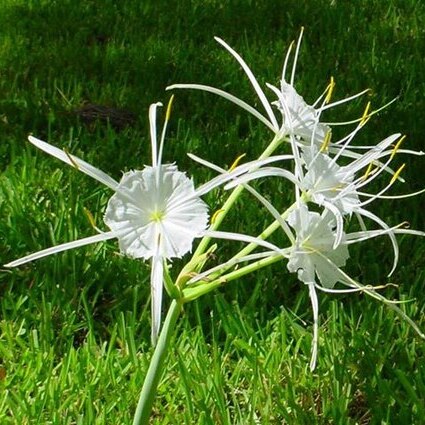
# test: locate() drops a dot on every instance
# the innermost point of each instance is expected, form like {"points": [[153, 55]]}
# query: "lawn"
{"points": [[75, 327]]}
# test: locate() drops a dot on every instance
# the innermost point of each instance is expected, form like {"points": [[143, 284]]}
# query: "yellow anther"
{"points": [[90, 217], [368, 171], [396, 147], [215, 215], [330, 90], [365, 117], [236, 162], [396, 174], [326, 142], [168, 113], [71, 159]]}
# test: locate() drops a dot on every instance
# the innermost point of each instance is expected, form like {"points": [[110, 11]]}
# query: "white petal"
{"points": [[229, 97], [264, 172], [339, 222], [62, 247], [253, 81], [227, 176], [347, 99], [385, 226], [75, 162], [244, 238], [315, 307], [152, 125]]}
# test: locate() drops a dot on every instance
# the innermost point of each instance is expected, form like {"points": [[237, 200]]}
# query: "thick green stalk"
{"points": [[147, 395]]}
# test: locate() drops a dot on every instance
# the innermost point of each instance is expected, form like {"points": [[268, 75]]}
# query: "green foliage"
{"points": [[74, 328]]}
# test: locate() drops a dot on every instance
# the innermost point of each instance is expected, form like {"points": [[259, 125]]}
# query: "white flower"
{"points": [[312, 254], [314, 246], [299, 119], [155, 213], [325, 182]]}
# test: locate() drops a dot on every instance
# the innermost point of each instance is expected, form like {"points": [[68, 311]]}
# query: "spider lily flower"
{"points": [[310, 256], [313, 254], [299, 119], [154, 213]]}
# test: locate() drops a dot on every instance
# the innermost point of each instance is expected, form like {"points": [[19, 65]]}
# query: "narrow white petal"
{"points": [[274, 212], [405, 195], [385, 226], [337, 291], [297, 50], [285, 63], [253, 81], [409, 232], [231, 98], [152, 125], [227, 176], [264, 172], [62, 247], [364, 235], [347, 99], [315, 306], [339, 222], [75, 162], [244, 238]]}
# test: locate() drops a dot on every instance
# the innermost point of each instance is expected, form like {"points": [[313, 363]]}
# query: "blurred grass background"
{"points": [[74, 328]]}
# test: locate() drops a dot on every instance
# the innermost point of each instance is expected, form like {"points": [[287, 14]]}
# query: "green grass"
{"points": [[75, 328]]}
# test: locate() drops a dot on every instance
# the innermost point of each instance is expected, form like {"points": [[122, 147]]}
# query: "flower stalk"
{"points": [[156, 366]]}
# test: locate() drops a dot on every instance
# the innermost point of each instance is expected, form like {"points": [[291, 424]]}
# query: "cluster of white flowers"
{"points": [[156, 213], [319, 247]]}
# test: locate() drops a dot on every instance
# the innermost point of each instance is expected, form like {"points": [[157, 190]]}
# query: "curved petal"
{"points": [[152, 126], [63, 247], [339, 222], [253, 81], [230, 97], [264, 172], [315, 307], [244, 238], [75, 162], [390, 233]]}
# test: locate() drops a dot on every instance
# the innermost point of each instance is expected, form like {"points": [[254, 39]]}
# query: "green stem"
{"points": [[147, 395], [191, 294]]}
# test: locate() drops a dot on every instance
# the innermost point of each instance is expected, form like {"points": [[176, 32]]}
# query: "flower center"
{"points": [[157, 215]]}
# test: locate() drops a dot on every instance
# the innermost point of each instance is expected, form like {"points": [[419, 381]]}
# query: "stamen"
{"points": [[236, 162], [71, 159], [397, 173], [215, 215], [365, 117], [396, 147], [330, 90], [326, 142], [90, 217], [168, 113], [368, 171]]}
